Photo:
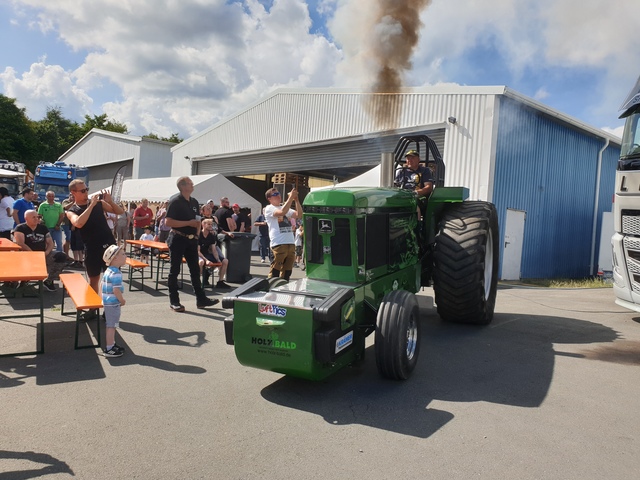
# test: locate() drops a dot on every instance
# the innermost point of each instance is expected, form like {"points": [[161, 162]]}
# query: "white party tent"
{"points": [[205, 187]]}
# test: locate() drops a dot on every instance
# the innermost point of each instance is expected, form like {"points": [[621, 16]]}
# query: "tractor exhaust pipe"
{"points": [[386, 170]]}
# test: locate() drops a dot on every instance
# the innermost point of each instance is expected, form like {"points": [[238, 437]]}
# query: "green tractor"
{"points": [[367, 254]]}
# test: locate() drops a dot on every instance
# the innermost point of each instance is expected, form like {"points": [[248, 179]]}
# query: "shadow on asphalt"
{"points": [[165, 336], [63, 364], [509, 362], [51, 465]]}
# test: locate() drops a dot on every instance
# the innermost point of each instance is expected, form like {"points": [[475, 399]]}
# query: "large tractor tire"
{"points": [[397, 342], [465, 277]]}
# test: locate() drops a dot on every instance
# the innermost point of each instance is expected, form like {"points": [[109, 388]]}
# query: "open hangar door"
{"points": [[101, 176], [340, 160]]}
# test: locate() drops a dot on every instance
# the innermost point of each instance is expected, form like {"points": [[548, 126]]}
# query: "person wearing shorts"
{"points": [[112, 299], [87, 216]]}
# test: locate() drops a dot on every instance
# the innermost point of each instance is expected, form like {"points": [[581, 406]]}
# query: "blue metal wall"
{"points": [[549, 169]]}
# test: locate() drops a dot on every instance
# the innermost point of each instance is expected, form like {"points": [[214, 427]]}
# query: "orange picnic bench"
{"points": [[135, 267], [85, 299]]}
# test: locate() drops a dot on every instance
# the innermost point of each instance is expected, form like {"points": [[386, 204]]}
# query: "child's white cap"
{"points": [[109, 253]]}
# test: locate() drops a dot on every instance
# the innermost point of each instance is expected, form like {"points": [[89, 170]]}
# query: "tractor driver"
{"points": [[415, 177]]}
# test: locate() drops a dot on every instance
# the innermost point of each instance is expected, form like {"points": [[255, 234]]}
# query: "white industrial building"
{"points": [[550, 175], [104, 152]]}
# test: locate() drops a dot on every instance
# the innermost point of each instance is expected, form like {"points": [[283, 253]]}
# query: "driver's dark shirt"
{"points": [[412, 179]]}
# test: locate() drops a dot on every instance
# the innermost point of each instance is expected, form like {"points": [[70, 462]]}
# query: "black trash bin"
{"points": [[238, 251]]}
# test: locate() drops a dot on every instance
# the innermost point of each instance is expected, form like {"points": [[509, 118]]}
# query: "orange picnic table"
{"points": [[152, 245], [7, 245], [25, 267]]}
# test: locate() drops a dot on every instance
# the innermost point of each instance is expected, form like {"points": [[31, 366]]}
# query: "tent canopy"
{"points": [[370, 178], [205, 187]]}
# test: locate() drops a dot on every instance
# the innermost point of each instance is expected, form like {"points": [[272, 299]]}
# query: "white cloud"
{"points": [[45, 86], [183, 65], [615, 131], [541, 94]]}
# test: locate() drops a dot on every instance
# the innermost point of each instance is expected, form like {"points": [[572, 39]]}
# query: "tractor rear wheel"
{"points": [[466, 263], [397, 342]]}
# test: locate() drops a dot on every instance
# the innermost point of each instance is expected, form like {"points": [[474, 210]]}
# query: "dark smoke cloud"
{"points": [[391, 42]]}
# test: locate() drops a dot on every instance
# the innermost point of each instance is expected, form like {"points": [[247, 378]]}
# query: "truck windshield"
{"points": [[61, 191], [631, 136], [12, 185]]}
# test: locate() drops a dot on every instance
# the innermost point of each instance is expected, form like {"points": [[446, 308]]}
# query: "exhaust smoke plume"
{"points": [[378, 41]]}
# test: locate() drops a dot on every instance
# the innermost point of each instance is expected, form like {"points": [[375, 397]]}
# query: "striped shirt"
{"points": [[111, 280]]}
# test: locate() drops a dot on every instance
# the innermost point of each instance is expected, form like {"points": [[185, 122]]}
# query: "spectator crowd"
{"points": [[90, 232]]}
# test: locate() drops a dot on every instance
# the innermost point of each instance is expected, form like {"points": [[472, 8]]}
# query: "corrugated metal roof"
{"points": [[106, 134], [297, 116], [362, 152]]}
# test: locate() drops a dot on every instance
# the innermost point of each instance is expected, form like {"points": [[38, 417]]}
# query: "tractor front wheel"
{"points": [[397, 341], [465, 277]]}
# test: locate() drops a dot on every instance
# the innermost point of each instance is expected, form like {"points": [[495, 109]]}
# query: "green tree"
{"points": [[103, 123], [17, 140], [56, 134], [173, 138]]}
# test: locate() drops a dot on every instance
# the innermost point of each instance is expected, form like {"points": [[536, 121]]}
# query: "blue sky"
{"points": [[180, 66]]}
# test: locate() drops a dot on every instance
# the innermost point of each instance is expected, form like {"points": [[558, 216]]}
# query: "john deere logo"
{"points": [[326, 226]]}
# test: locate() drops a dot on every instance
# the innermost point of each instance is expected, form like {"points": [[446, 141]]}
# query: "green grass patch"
{"points": [[592, 282]]}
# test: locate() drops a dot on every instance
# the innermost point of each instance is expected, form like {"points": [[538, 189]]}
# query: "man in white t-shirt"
{"points": [[6, 218], [281, 231]]}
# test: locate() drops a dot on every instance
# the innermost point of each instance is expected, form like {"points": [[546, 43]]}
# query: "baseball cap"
{"points": [[210, 201], [109, 253], [235, 205], [412, 153]]}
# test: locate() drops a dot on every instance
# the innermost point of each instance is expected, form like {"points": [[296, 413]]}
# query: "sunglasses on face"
{"points": [[84, 190], [275, 194]]}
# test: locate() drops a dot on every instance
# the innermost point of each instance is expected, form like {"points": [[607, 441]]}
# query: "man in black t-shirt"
{"points": [[417, 178], [87, 216], [183, 216], [224, 216], [34, 236]]}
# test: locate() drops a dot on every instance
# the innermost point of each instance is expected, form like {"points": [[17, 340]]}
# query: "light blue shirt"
{"points": [[111, 279]]}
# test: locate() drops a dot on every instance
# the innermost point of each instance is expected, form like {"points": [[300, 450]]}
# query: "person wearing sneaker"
{"points": [[112, 299], [34, 236], [281, 232], [183, 217], [210, 253]]}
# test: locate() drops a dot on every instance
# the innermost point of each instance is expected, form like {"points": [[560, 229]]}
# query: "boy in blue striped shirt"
{"points": [[112, 299]]}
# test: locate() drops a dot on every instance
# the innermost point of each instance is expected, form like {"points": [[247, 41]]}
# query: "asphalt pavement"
{"points": [[549, 390]]}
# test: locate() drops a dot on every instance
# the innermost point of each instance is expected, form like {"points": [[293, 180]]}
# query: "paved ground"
{"points": [[550, 390]]}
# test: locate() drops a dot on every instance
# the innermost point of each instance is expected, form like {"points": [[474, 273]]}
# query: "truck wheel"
{"points": [[397, 341], [466, 263]]}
